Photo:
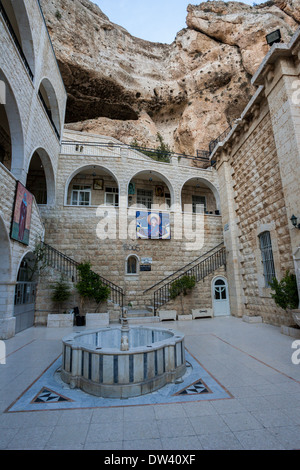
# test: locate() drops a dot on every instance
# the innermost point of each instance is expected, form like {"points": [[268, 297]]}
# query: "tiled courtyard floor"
{"points": [[254, 401]]}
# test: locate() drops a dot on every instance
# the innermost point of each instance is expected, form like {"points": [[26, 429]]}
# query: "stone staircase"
{"points": [[141, 316]]}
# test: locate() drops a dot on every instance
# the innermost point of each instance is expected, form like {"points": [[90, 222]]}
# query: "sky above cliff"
{"points": [[155, 20]]}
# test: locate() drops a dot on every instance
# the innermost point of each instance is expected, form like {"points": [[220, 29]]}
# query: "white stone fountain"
{"points": [[122, 362]]}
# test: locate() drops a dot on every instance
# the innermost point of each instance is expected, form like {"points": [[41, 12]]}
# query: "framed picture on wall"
{"points": [[153, 225], [21, 220], [98, 184], [131, 188], [159, 191]]}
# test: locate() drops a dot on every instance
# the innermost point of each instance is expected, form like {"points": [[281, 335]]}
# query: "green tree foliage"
{"points": [[61, 292], [181, 287], [90, 286], [285, 292], [161, 153]]}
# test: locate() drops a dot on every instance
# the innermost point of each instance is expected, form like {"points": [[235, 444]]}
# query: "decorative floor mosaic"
{"points": [[49, 392]]}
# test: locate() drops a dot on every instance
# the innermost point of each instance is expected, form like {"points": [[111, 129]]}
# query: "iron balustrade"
{"points": [[67, 266], [214, 143], [15, 39], [202, 155], [199, 272], [184, 268]]}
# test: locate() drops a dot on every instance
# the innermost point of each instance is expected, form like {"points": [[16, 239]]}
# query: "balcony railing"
{"points": [[15, 39], [214, 143], [115, 148]]}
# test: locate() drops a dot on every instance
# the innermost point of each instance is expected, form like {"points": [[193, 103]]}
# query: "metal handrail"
{"points": [[202, 157], [183, 268], [199, 272], [68, 266], [220, 138], [15, 39]]}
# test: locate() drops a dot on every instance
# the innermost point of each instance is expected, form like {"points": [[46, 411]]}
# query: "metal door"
{"points": [[24, 305]]}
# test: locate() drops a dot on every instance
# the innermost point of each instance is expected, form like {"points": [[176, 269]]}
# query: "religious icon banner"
{"points": [[153, 225], [20, 228]]}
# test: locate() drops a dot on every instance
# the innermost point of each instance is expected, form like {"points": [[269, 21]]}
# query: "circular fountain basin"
{"points": [[93, 361]]}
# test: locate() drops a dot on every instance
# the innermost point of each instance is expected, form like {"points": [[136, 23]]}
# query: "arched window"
{"points": [[267, 257], [15, 16], [132, 265], [49, 101]]}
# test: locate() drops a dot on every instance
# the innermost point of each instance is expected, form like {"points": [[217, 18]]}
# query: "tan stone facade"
{"points": [[27, 67], [89, 190], [75, 230], [258, 167]]}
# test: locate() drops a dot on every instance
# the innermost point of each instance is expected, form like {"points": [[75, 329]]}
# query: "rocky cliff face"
{"points": [[188, 91]]}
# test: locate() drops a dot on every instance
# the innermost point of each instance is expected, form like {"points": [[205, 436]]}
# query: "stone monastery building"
{"points": [[67, 197]]}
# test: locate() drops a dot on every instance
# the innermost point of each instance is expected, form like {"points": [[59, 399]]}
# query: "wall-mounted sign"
{"points": [[226, 227], [146, 260], [145, 267]]}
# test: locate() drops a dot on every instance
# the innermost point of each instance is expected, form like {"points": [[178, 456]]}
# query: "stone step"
{"points": [[142, 320], [139, 313]]}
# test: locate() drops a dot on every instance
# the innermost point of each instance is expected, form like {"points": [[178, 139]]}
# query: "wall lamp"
{"points": [[294, 221]]}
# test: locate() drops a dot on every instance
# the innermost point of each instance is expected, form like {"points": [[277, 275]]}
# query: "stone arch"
{"points": [[149, 173], [19, 20], [27, 256], [41, 155], [206, 183], [128, 265], [49, 100], [13, 128], [92, 167]]}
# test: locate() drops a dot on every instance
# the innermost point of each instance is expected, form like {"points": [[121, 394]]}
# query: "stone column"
{"points": [[231, 240]]}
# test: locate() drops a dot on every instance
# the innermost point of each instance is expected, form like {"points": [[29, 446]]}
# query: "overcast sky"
{"points": [[153, 20]]}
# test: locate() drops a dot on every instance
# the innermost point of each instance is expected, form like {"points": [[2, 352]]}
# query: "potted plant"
{"points": [[61, 293], [285, 295], [181, 287], [90, 287]]}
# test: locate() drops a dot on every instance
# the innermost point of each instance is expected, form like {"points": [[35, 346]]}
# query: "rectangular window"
{"points": [[81, 195], [267, 257], [144, 198], [112, 197], [199, 204], [168, 200]]}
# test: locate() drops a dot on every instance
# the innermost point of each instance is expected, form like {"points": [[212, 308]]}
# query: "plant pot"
{"points": [[296, 316], [60, 320], [97, 320], [252, 319]]}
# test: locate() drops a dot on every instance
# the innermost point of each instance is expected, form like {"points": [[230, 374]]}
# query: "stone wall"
{"points": [[12, 252], [257, 204], [79, 232], [199, 297]]}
